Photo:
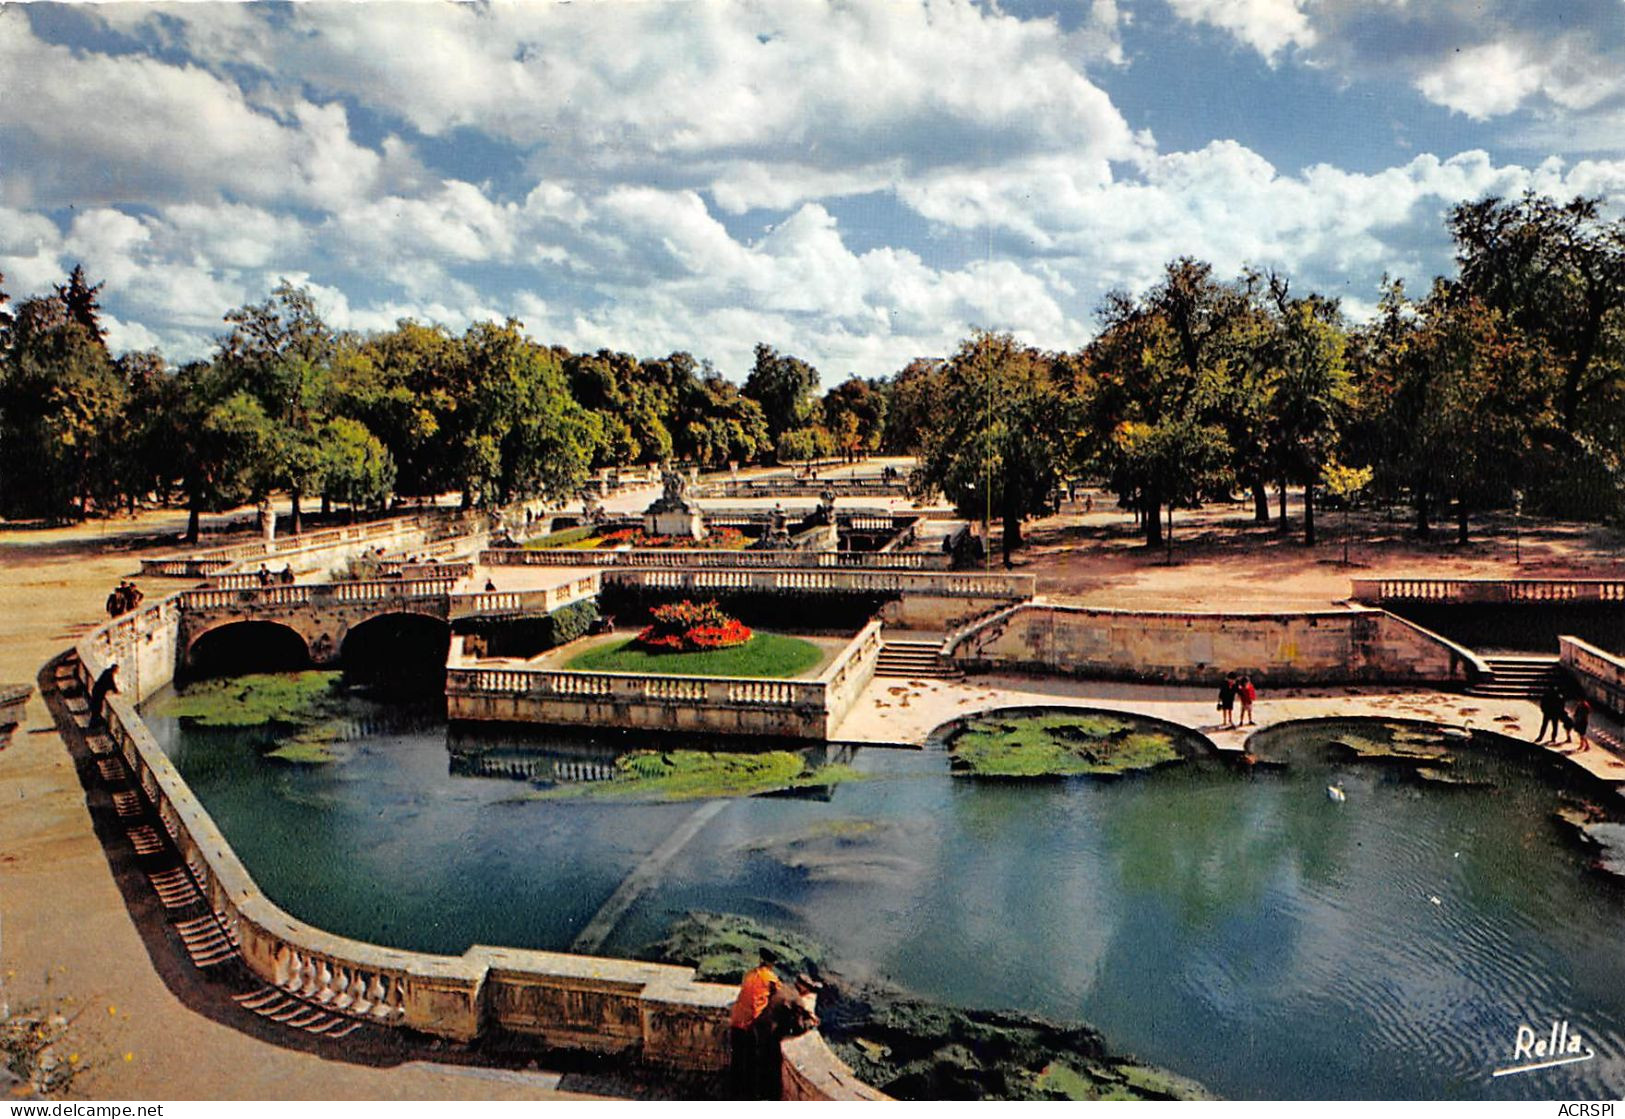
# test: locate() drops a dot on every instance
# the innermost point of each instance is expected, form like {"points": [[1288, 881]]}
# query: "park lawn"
{"points": [[766, 655], [1057, 745]]}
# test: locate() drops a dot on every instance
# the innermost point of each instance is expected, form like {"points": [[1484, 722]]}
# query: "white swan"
{"points": [[1336, 793]]}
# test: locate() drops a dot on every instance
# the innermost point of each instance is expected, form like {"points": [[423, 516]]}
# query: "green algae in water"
{"points": [[701, 775], [255, 700], [311, 702], [918, 1049], [1058, 745], [722, 947]]}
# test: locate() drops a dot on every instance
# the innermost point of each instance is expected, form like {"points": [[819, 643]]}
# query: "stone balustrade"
{"points": [[516, 692], [209, 561], [699, 558], [802, 487], [537, 601], [1467, 591], [657, 1013], [1601, 674], [933, 584]]}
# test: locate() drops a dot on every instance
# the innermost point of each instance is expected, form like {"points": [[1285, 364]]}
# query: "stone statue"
{"points": [[675, 489]]}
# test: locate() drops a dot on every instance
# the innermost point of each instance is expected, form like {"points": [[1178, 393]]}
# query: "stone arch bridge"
{"points": [[323, 615]]}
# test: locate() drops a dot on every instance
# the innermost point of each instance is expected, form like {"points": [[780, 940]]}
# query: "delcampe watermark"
{"points": [[1562, 1045]]}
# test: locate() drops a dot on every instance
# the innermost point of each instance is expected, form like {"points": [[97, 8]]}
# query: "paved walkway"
{"points": [[897, 711]]}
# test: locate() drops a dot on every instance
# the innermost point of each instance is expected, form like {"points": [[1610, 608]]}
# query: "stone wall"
{"points": [[656, 1013], [809, 1071], [1601, 674], [1331, 646]]}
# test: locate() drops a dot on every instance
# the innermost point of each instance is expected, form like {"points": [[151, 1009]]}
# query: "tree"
{"points": [[910, 405], [220, 436], [281, 352], [1311, 395], [354, 467], [1345, 483], [1178, 458], [59, 399], [855, 416], [401, 384], [1474, 391], [1557, 273], [517, 431], [78, 295], [1006, 433], [784, 387]]}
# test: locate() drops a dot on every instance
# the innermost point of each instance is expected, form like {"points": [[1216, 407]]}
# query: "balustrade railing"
{"points": [[692, 558], [832, 581], [1469, 591]]}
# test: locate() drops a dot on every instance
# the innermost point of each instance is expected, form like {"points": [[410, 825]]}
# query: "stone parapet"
{"points": [[1374, 592], [1601, 674], [700, 558]]}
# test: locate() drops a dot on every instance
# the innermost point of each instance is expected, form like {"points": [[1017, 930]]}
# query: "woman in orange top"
{"points": [[746, 1041]]}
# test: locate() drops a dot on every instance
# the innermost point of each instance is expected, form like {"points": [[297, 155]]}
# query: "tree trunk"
{"points": [[1283, 503], [1261, 501], [1422, 525], [1309, 515], [327, 506], [193, 520], [1461, 521], [297, 525], [1153, 523]]}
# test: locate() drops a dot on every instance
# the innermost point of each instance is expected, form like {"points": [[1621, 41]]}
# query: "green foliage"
{"points": [[1058, 745], [1003, 433], [765, 655], [805, 443], [696, 775], [562, 538], [783, 386], [572, 621]]}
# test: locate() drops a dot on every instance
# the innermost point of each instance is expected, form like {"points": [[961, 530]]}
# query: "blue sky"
{"points": [[857, 183]]}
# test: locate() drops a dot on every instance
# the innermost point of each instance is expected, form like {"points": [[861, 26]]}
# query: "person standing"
{"points": [[1246, 693], [1582, 720], [746, 1039], [1551, 712], [1227, 700], [105, 684]]}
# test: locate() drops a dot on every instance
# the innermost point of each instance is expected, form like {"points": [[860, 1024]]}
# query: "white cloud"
{"points": [[99, 128], [1268, 26], [1484, 81]]}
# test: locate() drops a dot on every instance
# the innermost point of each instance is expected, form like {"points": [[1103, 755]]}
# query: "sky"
{"points": [[857, 183]]}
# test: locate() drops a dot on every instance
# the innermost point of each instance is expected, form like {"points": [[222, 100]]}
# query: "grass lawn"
{"points": [[767, 655]]}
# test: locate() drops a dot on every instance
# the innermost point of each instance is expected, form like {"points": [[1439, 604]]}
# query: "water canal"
{"points": [[1232, 924]]}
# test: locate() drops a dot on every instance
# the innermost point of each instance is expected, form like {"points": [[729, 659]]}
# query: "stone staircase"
{"points": [[1516, 677], [917, 660]]}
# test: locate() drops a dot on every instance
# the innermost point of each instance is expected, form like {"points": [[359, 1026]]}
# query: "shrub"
{"points": [[688, 626]]}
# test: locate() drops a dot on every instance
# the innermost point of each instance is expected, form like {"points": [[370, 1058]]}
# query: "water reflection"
{"points": [[1235, 926]]}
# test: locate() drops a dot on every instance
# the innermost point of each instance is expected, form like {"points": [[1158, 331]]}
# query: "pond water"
{"points": [[1235, 926]]}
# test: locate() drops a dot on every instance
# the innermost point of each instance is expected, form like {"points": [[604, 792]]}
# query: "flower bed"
{"points": [[690, 627], [717, 539]]}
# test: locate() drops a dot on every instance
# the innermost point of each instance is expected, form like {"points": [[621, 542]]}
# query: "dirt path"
{"points": [[1221, 560], [66, 933]]}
